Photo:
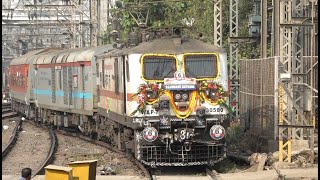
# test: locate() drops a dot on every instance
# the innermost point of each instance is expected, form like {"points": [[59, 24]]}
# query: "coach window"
{"points": [[201, 65], [60, 79], [97, 69], [158, 67]]}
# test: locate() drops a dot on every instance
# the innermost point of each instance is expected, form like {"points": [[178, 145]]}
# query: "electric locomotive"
{"points": [[167, 100]]}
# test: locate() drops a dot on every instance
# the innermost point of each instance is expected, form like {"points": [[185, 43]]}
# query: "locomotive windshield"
{"points": [[158, 68], [201, 66]]}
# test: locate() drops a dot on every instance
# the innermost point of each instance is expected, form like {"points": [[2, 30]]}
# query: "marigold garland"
{"points": [[197, 97], [220, 95], [188, 111], [216, 88], [143, 99]]}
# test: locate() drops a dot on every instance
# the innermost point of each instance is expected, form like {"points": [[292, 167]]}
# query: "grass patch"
{"points": [[226, 166]]}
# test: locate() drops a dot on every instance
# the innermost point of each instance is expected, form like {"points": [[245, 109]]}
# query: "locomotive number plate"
{"points": [[215, 109], [184, 134]]}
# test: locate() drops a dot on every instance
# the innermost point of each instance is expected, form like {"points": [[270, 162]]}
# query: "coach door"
{"points": [[83, 87], [53, 85], [53, 79], [124, 70]]}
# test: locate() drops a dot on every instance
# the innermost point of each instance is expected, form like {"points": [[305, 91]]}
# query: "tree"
{"points": [[197, 16]]}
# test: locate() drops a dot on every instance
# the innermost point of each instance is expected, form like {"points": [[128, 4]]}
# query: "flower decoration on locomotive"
{"points": [[147, 94], [211, 92]]}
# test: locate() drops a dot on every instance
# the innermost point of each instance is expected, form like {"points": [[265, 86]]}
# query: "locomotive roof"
{"points": [[45, 56], [169, 46]]}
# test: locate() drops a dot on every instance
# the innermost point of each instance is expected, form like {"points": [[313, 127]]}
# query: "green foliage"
{"points": [[227, 166], [127, 23], [105, 38], [168, 14], [234, 136]]}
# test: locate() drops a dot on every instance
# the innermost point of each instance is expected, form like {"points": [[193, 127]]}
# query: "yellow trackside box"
{"points": [[84, 170], [53, 172]]}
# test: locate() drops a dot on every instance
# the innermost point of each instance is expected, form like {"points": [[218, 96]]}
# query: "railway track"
{"points": [[144, 171], [6, 105], [200, 173], [9, 132], [50, 155], [34, 148], [9, 115], [6, 110], [203, 173], [9, 138]]}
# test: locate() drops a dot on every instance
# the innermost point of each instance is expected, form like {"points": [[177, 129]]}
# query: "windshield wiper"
{"points": [[192, 74], [168, 73]]}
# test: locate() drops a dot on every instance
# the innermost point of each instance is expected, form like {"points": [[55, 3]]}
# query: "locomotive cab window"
{"points": [[201, 65], [158, 67]]}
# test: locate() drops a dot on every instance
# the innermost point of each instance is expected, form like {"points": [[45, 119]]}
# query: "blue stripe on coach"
{"points": [[80, 95]]}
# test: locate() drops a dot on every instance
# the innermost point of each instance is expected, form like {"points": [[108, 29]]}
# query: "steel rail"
{"points": [[109, 147], [50, 156], [12, 141]]}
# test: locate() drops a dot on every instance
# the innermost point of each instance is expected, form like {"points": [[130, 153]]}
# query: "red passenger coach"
{"points": [[18, 78], [21, 71]]}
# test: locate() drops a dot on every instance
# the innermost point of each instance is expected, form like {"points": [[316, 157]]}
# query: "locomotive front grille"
{"points": [[178, 154]]}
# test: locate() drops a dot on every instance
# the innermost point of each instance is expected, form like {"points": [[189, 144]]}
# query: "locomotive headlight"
{"points": [[149, 95], [217, 132], [150, 134], [212, 94], [177, 97], [185, 96]]}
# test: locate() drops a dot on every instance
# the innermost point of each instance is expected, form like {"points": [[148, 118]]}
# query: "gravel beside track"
{"points": [[7, 133], [75, 149], [30, 150]]}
